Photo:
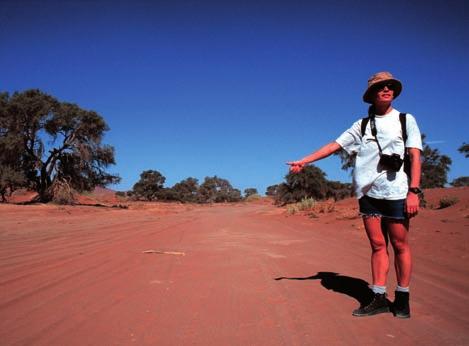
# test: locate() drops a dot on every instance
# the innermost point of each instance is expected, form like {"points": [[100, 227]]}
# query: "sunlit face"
{"points": [[384, 93]]}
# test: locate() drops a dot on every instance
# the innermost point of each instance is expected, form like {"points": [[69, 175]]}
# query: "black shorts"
{"points": [[394, 209]]}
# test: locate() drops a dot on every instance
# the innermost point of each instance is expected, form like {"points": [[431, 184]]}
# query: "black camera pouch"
{"points": [[391, 162]]}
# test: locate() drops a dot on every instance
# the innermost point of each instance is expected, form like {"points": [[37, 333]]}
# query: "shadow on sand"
{"points": [[353, 287]]}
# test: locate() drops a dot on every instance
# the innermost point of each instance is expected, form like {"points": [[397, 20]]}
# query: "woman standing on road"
{"points": [[387, 196]]}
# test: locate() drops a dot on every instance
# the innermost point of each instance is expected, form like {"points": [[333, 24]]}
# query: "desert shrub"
{"points": [[306, 204], [212, 190], [62, 193], [254, 197], [250, 191], [120, 206], [10, 180], [310, 182], [122, 195], [448, 201], [271, 190], [460, 182], [292, 209], [303, 205], [166, 194], [338, 190], [129, 194], [325, 207], [422, 200]]}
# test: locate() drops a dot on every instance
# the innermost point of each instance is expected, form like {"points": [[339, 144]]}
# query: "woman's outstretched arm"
{"points": [[325, 151]]}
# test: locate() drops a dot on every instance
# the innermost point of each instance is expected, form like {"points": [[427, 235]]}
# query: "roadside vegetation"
{"points": [[48, 146], [56, 149], [447, 201], [214, 189], [310, 183]]}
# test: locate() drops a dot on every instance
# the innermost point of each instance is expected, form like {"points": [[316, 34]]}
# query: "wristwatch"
{"points": [[415, 190]]}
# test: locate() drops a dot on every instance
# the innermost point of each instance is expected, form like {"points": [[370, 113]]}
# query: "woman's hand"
{"points": [[325, 151], [296, 166], [412, 204]]}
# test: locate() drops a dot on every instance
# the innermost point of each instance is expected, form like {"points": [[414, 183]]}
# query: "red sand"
{"points": [[78, 276]]}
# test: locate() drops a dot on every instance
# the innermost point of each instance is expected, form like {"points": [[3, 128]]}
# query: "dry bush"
{"points": [[348, 216], [305, 204], [120, 206], [314, 208], [251, 198], [325, 207], [292, 209], [62, 193], [447, 201]]}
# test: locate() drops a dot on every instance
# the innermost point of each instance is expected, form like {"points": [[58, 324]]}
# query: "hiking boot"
{"points": [[400, 307], [378, 305]]}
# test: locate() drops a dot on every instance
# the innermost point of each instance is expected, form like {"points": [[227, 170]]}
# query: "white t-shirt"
{"points": [[368, 178]]}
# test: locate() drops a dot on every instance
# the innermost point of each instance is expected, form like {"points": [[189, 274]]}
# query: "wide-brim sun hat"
{"points": [[377, 80]]}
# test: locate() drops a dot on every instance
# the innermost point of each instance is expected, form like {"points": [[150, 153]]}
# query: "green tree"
{"points": [[215, 190], [435, 167], [464, 149], [46, 142], [11, 174], [462, 181], [166, 194], [10, 180], [348, 161], [122, 194], [186, 190], [249, 192], [338, 190], [150, 184], [310, 182], [271, 190]]}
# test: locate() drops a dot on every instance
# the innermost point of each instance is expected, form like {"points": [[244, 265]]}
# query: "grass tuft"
{"points": [[448, 201]]}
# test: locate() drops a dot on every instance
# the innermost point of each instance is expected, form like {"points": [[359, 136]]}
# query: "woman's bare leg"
{"points": [[379, 250], [398, 234]]}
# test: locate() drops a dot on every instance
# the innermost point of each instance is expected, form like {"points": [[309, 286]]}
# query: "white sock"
{"points": [[378, 289], [402, 289]]}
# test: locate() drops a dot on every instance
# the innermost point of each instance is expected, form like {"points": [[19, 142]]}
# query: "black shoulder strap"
{"points": [[371, 112], [364, 123], [374, 132], [402, 119]]}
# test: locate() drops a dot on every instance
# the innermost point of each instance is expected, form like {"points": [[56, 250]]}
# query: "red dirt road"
{"points": [[78, 276]]}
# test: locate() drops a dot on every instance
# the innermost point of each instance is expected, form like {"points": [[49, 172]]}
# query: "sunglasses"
{"points": [[388, 85]]}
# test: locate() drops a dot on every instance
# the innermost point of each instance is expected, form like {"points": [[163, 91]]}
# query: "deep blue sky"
{"points": [[236, 89]]}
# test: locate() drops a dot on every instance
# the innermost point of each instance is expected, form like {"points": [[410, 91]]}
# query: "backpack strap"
{"points": [[363, 125], [402, 119]]}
